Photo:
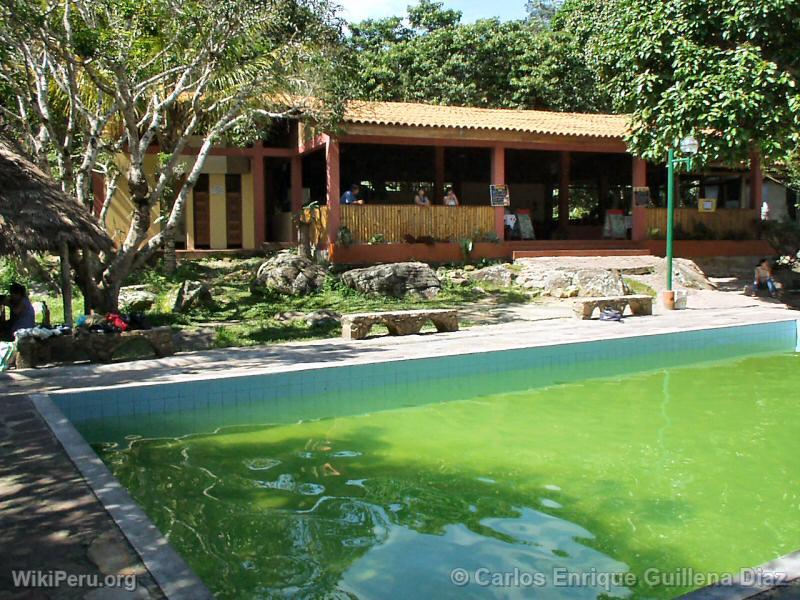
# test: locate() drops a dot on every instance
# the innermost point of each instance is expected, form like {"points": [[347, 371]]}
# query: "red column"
{"points": [[334, 188], [499, 178], [756, 180], [438, 192], [563, 191], [259, 201], [639, 213]]}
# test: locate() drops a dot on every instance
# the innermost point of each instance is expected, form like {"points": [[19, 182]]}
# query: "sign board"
{"points": [[526, 227], [641, 196], [615, 227], [707, 205], [499, 195]]}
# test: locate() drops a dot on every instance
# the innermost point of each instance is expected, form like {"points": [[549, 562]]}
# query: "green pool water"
{"points": [[689, 471]]}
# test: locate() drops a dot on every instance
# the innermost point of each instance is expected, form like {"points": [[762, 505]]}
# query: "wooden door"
{"points": [[233, 210], [201, 206]]}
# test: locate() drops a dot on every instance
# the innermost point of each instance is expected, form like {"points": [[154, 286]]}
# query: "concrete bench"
{"points": [[639, 305], [405, 322]]}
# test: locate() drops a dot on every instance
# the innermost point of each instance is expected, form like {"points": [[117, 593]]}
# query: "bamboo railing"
{"points": [[723, 222], [396, 222]]}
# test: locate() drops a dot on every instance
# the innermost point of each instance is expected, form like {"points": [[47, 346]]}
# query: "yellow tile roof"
{"points": [[526, 121]]}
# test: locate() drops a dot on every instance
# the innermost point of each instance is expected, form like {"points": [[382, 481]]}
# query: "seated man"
{"points": [[763, 278], [351, 195], [22, 315]]}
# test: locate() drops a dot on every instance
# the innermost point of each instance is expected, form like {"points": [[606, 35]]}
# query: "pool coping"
{"points": [[187, 374], [178, 581], [168, 569]]}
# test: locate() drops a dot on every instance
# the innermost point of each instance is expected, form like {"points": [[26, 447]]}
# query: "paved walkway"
{"points": [[320, 353], [50, 520]]}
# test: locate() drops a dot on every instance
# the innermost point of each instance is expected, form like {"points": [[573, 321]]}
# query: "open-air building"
{"points": [[566, 173]]}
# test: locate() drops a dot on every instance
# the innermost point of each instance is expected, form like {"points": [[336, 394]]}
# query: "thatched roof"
{"points": [[35, 216]]}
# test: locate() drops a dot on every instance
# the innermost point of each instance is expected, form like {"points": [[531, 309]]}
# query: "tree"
{"points": [[542, 11], [724, 71], [438, 59], [94, 81]]}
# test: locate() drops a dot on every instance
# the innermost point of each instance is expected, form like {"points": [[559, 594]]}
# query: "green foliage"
{"points": [[724, 71], [378, 238], [784, 236], [489, 63], [639, 287]]}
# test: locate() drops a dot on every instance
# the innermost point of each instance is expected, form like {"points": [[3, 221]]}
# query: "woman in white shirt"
{"points": [[450, 198]]}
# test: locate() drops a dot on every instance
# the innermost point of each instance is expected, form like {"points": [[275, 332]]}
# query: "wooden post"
{"points": [[756, 180], [296, 168], [563, 191], [499, 178], [259, 201], [638, 213], [66, 284], [334, 188], [438, 185]]}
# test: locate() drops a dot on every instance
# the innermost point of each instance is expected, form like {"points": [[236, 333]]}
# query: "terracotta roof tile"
{"points": [[526, 121]]}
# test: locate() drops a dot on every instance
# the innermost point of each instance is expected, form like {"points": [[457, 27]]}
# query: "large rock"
{"points": [[191, 294], [498, 275], [395, 280], [135, 298], [291, 274], [563, 282]]}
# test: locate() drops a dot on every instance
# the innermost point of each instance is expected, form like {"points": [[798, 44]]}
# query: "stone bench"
{"points": [[93, 345], [406, 322], [639, 305]]}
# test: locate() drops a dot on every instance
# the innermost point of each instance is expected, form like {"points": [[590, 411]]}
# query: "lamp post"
{"points": [[688, 146]]}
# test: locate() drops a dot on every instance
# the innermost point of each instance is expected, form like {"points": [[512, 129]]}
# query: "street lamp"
{"points": [[689, 146]]}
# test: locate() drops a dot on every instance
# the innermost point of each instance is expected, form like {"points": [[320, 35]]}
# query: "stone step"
{"points": [[581, 252]]}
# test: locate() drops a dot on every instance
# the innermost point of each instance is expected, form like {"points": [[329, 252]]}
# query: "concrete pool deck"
{"points": [[35, 469], [230, 362]]}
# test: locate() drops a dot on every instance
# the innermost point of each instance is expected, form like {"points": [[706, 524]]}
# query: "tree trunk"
{"points": [[170, 258], [66, 284]]}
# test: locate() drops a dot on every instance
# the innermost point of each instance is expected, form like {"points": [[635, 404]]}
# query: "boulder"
{"points": [[288, 273], [498, 275], [191, 294], [395, 280], [318, 318], [563, 282], [323, 318], [136, 298]]}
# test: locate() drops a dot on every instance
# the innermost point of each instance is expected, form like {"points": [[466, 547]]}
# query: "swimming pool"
{"points": [[632, 467]]}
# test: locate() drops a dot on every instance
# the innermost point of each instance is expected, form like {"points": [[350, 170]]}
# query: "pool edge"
{"points": [[171, 573]]}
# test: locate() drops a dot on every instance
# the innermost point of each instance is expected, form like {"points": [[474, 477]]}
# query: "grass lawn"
{"points": [[241, 318]]}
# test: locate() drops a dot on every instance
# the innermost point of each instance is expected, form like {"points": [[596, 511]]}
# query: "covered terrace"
{"points": [[565, 171]]}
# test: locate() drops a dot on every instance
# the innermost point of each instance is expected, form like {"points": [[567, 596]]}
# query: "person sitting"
{"points": [[450, 198], [351, 195], [763, 278], [22, 314], [421, 199]]}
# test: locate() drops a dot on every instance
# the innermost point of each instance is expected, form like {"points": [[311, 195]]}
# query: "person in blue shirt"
{"points": [[351, 195], [22, 313]]}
